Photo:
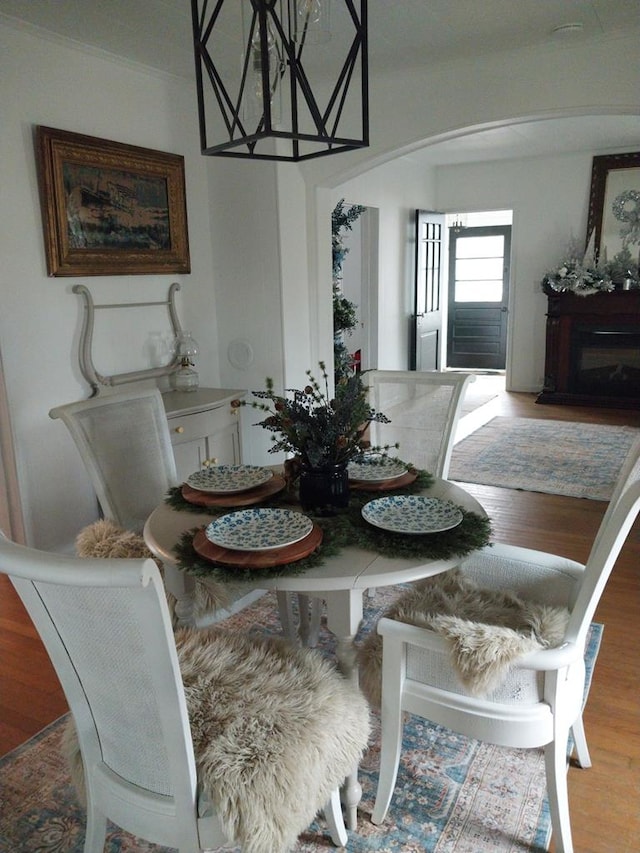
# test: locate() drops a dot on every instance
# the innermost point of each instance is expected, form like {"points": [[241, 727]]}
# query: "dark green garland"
{"points": [[347, 528]]}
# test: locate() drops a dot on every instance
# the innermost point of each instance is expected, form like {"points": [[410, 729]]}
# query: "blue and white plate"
{"points": [[412, 514], [376, 470], [259, 529], [224, 479]]}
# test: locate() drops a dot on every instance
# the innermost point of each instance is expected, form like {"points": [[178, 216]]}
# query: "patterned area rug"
{"points": [[453, 795], [485, 388], [556, 457]]}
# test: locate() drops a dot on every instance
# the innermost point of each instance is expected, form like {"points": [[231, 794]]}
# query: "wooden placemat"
{"points": [[251, 496], [385, 485], [257, 559]]}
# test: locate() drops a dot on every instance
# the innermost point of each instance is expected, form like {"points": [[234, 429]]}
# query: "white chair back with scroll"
{"points": [[275, 729], [424, 408], [542, 700], [125, 444]]}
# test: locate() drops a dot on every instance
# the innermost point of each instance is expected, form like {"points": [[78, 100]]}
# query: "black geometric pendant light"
{"points": [[275, 82]]}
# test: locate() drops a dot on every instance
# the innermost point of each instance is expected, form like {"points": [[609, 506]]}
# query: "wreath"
{"points": [[626, 208]]}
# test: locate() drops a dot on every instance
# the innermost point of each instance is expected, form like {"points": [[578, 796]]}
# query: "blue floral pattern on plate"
{"points": [[221, 479], [412, 514], [259, 529], [376, 470]]}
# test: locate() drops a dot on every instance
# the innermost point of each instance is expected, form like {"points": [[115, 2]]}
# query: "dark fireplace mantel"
{"points": [[593, 350]]}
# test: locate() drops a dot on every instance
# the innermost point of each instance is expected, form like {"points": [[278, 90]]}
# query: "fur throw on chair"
{"points": [[488, 630], [275, 730], [103, 539]]}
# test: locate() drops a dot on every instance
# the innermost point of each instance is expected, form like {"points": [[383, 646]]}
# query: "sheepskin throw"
{"points": [[488, 630], [103, 539], [275, 730]]}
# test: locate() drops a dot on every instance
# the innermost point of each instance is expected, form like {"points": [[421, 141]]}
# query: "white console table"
{"points": [[203, 425]]}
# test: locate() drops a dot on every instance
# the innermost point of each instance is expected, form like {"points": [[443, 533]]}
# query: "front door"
{"points": [[478, 297], [425, 353]]}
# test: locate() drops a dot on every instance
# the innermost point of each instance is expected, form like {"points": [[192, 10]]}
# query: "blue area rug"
{"points": [[453, 795], [555, 457]]}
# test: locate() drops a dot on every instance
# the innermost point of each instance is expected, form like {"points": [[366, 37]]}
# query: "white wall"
{"points": [[396, 189], [244, 230], [47, 82]]}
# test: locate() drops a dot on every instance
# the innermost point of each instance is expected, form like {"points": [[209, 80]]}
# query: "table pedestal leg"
{"points": [[182, 586], [344, 614], [310, 610], [307, 629], [285, 611]]}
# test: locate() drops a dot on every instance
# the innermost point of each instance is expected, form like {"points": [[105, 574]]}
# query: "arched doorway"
{"points": [[453, 147]]}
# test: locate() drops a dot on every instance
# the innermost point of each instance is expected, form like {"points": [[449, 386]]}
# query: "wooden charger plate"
{"points": [[257, 559], [251, 496], [385, 485]]}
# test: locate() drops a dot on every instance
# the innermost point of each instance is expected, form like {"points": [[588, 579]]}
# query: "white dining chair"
{"points": [[192, 740], [125, 444], [541, 702], [423, 408]]}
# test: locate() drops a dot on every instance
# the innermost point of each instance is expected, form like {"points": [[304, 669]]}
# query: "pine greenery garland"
{"points": [[342, 220], [346, 528], [344, 311]]}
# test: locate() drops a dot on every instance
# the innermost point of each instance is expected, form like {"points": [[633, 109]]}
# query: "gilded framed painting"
{"points": [[110, 208], [614, 205]]}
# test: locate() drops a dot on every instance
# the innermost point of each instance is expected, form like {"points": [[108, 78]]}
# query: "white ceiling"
{"points": [[157, 33]]}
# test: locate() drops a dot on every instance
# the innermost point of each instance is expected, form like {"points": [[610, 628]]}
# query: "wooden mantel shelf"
{"points": [[619, 310]]}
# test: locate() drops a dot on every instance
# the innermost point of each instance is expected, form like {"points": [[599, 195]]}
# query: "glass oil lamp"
{"points": [[186, 376]]}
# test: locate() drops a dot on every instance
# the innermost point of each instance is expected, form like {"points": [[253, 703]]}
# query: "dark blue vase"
{"points": [[324, 490]]}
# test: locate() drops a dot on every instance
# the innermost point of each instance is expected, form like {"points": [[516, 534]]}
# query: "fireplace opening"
{"points": [[605, 361]]}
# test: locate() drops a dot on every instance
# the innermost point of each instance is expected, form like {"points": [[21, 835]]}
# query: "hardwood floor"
{"points": [[605, 798]]}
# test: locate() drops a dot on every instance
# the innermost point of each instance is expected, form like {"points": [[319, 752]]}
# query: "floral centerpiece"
{"points": [[324, 434], [318, 430]]}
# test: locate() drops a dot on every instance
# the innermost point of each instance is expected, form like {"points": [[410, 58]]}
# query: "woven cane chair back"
{"points": [[424, 408], [125, 444]]}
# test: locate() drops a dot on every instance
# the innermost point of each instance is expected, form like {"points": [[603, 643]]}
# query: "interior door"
{"points": [[479, 269], [425, 351]]}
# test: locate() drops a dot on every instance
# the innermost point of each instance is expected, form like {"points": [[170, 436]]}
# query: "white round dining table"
{"points": [[340, 581]]}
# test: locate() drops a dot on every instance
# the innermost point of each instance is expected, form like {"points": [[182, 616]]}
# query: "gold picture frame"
{"points": [[614, 205], [110, 208]]}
